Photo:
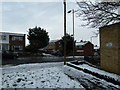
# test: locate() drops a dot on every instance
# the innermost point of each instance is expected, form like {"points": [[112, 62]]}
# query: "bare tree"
{"points": [[98, 14]]}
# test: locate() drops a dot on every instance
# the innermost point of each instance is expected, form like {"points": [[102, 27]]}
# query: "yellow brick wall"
{"points": [[110, 48], [119, 48]]}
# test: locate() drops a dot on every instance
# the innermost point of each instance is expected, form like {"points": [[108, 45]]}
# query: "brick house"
{"points": [[53, 45], [96, 50], [14, 42], [84, 48], [58, 45]]}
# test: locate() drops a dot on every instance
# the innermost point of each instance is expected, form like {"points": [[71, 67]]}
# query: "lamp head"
{"points": [[69, 11]]}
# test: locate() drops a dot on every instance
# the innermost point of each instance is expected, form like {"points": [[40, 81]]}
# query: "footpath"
{"points": [[91, 77]]}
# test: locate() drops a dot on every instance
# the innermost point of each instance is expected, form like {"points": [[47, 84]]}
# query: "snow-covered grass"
{"points": [[100, 72], [43, 75]]}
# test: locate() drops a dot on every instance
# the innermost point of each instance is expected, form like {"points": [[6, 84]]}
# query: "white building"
{"points": [[4, 41]]}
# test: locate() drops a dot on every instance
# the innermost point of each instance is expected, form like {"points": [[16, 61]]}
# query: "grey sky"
{"points": [[18, 17]]}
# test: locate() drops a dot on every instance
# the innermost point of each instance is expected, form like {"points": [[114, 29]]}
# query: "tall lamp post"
{"points": [[92, 37], [64, 31], [96, 35], [72, 11]]}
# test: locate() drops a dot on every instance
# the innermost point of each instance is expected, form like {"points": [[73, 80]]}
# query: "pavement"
{"points": [[27, 60], [89, 81]]}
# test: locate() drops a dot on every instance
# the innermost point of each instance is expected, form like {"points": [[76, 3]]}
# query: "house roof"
{"points": [[96, 47], [9, 33], [53, 41], [81, 43], [110, 25]]}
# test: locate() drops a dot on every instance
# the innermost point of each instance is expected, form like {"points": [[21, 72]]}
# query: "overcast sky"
{"points": [[18, 17]]}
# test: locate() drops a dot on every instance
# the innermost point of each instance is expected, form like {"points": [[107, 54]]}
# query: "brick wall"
{"points": [[88, 49], [110, 48], [16, 42]]}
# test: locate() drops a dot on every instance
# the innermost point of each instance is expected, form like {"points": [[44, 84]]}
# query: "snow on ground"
{"points": [[101, 72], [75, 57], [43, 75], [47, 55], [85, 77]]}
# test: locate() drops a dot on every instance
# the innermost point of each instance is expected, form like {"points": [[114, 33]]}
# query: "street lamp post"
{"points": [[92, 37], [73, 29], [64, 31], [96, 35]]}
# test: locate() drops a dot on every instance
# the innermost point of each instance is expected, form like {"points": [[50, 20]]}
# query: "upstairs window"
{"points": [[4, 37], [17, 38]]}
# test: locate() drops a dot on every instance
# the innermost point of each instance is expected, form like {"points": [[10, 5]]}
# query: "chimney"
{"points": [[81, 41]]}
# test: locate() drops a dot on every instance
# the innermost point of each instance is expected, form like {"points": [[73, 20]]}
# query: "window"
{"points": [[0, 47], [59, 43], [79, 46], [20, 47], [5, 47], [17, 47], [80, 50], [17, 38], [3, 37], [21, 38]]}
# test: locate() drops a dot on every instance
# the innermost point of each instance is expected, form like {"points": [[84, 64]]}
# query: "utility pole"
{"points": [[73, 34], [64, 31], [92, 37], [73, 30]]}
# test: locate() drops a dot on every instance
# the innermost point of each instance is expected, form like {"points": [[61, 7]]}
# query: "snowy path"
{"points": [[89, 81], [43, 75]]}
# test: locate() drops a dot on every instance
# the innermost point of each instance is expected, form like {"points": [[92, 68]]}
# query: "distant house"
{"points": [[96, 50], [14, 42], [58, 45], [53, 45], [84, 48]]}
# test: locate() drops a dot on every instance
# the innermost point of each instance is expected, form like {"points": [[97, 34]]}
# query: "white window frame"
{"points": [[17, 38], [19, 47], [79, 50]]}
